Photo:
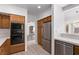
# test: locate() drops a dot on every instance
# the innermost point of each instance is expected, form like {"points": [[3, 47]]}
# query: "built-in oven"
{"points": [[17, 33]]}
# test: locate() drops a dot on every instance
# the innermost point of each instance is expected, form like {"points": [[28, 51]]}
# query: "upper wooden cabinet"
{"points": [[17, 19], [4, 22]]}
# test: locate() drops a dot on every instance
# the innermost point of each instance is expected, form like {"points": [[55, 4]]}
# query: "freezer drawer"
{"points": [[47, 45]]}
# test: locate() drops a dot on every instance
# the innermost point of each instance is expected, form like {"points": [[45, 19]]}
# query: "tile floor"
{"points": [[33, 50]]}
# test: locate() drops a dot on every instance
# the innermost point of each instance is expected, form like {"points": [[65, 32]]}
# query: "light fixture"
{"points": [[39, 7]]}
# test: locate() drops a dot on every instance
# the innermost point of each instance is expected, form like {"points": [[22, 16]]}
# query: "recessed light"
{"points": [[39, 7]]}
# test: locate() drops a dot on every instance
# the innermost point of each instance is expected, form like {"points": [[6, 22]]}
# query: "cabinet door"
{"points": [[21, 19], [5, 22], [17, 19], [14, 18], [39, 32], [5, 48], [76, 50]]}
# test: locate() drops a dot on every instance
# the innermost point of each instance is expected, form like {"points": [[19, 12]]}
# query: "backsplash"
{"points": [[4, 32], [71, 36]]}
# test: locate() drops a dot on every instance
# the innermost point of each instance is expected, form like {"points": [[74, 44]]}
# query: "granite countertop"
{"points": [[68, 40], [3, 39]]}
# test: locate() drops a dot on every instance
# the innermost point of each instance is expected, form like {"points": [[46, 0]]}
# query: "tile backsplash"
{"points": [[4, 32]]}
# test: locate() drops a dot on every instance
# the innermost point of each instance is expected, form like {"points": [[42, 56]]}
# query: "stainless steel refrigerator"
{"points": [[46, 36]]}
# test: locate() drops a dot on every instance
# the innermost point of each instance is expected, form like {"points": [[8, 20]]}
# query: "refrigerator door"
{"points": [[47, 30], [47, 36]]}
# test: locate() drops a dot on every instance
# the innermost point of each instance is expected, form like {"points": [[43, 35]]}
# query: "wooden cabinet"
{"points": [[39, 30], [17, 48], [76, 50], [47, 19], [17, 19], [4, 22], [17, 42], [5, 48]]}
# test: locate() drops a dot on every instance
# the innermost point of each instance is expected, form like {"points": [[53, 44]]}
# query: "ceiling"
{"points": [[63, 5], [69, 6], [32, 8]]}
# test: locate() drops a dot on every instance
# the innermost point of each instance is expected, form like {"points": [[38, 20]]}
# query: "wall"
{"points": [[31, 18], [16, 10], [59, 24], [71, 16], [46, 13], [52, 11], [4, 33], [31, 22]]}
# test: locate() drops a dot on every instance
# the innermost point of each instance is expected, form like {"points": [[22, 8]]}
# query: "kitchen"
{"points": [[15, 24]]}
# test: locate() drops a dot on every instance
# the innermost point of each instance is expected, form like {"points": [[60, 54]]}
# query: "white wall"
{"points": [[44, 14], [18, 11], [4, 33], [31, 18], [52, 11], [71, 17], [59, 24]]}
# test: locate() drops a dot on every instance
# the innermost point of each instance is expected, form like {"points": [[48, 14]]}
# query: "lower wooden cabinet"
{"points": [[5, 48], [76, 50], [17, 48]]}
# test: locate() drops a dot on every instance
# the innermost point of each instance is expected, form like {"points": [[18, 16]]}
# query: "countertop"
{"points": [[68, 40], [3, 39]]}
